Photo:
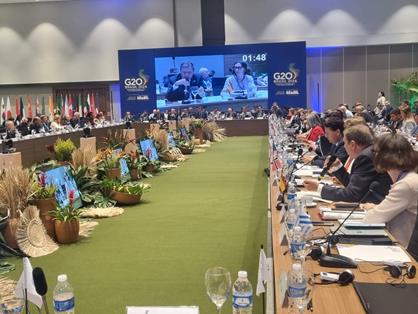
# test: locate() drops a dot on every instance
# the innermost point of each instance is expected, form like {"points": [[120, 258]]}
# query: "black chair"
{"points": [[413, 242]]}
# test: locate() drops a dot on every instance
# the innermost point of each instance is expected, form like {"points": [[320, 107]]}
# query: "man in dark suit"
{"points": [[181, 89], [358, 142], [334, 128]]}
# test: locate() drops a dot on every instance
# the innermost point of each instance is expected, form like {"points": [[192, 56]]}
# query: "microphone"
{"points": [[41, 286], [337, 260], [332, 158]]}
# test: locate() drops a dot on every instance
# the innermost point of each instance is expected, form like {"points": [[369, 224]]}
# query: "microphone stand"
{"points": [[337, 260], [280, 198]]}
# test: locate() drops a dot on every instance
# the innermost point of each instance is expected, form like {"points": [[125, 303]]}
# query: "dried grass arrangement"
{"points": [[213, 132], [161, 140], [15, 191], [83, 158], [174, 154]]}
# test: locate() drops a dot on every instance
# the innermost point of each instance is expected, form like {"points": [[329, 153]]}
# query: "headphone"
{"points": [[396, 271], [316, 253], [344, 278]]}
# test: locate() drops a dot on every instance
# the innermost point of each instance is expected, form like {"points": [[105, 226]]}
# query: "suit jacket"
{"points": [[357, 183], [398, 209], [336, 150], [181, 92]]}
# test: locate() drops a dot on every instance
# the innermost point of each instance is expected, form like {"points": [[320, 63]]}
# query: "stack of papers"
{"points": [[374, 253]]}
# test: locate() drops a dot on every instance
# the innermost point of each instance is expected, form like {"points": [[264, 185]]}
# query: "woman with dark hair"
{"points": [[395, 155], [239, 81]]}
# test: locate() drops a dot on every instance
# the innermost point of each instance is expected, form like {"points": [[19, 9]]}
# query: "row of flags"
{"points": [[65, 105]]}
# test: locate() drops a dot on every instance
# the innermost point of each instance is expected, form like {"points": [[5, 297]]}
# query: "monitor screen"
{"points": [[212, 80], [63, 181], [222, 77], [171, 141], [184, 134], [148, 149]]}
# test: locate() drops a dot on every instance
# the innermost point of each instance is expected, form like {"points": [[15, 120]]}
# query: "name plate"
{"points": [[162, 310]]}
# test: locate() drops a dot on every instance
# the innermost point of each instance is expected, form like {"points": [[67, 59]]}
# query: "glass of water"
{"points": [[218, 285]]}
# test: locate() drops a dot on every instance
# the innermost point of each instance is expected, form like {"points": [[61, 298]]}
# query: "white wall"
{"points": [[322, 22], [189, 23], [78, 40]]}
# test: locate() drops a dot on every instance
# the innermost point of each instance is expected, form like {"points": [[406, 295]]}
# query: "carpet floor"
{"points": [[210, 211]]}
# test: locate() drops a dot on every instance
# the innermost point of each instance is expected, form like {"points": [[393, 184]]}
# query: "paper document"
{"points": [[315, 195], [304, 173], [162, 310], [374, 253]]}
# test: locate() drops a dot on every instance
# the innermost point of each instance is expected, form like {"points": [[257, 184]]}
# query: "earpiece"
{"points": [[346, 277], [315, 253], [396, 271]]}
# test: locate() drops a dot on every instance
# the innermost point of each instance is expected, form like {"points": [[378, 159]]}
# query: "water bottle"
{"points": [[291, 195], [291, 219], [63, 297], [297, 286], [242, 295], [297, 243]]}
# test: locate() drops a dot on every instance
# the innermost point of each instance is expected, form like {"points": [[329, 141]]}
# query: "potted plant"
{"points": [[186, 147], [67, 224], [197, 126], [134, 165], [129, 193], [109, 164], [63, 150], [148, 166], [43, 197], [15, 190]]}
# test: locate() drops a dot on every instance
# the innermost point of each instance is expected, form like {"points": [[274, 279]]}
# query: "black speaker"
{"points": [[213, 22]]}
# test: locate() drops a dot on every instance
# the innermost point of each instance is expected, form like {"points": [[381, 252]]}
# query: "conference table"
{"points": [[33, 148], [331, 298]]}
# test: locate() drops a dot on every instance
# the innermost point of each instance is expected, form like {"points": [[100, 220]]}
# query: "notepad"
{"points": [[374, 253]]}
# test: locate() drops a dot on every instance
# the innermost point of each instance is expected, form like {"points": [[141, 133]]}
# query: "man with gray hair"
{"points": [[206, 81]]}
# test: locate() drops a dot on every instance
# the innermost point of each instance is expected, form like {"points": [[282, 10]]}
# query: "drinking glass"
{"points": [[194, 91], [218, 285]]}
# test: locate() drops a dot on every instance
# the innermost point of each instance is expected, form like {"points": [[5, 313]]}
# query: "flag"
{"points": [[8, 108], [26, 282], [262, 273], [29, 107], [65, 111], [2, 115], [17, 107], [93, 105], [22, 108], [80, 105], [51, 107], [70, 106], [43, 105], [88, 103], [97, 103], [38, 110]]}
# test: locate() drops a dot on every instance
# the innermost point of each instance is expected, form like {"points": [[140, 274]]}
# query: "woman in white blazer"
{"points": [[395, 155]]}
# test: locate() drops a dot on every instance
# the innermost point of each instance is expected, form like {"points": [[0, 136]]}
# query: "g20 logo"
{"points": [[134, 82], [279, 76], [137, 84]]}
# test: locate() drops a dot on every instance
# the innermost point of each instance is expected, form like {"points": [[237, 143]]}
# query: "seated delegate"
{"points": [[358, 142], [239, 81], [396, 156], [185, 81]]}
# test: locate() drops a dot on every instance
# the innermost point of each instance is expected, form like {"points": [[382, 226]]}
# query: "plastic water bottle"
{"points": [[242, 295], [297, 243], [291, 219], [63, 297], [297, 286], [291, 196]]}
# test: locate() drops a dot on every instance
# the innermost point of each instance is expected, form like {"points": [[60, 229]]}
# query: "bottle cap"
{"points": [[297, 267], [242, 274], [297, 229], [291, 210], [62, 278]]}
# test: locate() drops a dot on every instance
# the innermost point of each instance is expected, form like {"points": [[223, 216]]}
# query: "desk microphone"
{"points": [[337, 260], [331, 160], [41, 286]]}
